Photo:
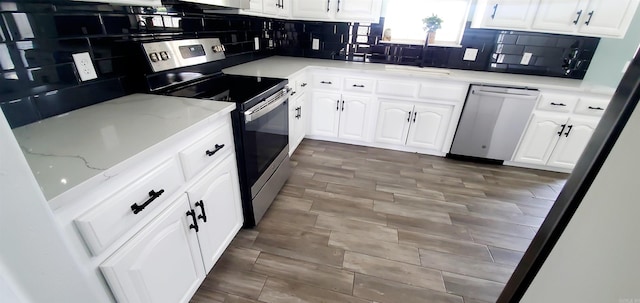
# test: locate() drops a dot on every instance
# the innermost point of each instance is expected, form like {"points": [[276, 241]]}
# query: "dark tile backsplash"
{"points": [[38, 78]]}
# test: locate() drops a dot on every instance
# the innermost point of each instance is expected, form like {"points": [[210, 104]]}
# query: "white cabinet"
{"points": [[325, 119], [510, 14], [278, 8], [160, 264], [597, 18], [255, 6], [127, 2], [572, 142], [340, 116], [298, 117], [215, 198], [337, 10], [429, 125], [420, 125], [540, 138]]}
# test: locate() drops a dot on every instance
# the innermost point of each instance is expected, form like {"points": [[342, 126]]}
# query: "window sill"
{"points": [[416, 42]]}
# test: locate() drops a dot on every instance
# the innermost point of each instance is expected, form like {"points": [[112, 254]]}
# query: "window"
{"points": [[404, 19]]}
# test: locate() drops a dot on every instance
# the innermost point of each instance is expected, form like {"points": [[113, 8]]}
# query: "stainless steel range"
{"points": [[260, 121]]}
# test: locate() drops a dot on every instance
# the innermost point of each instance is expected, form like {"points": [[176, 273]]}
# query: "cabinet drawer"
{"points": [[206, 150], [443, 91], [358, 85], [302, 83], [557, 103], [327, 82], [591, 107], [101, 226], [397, 88]]}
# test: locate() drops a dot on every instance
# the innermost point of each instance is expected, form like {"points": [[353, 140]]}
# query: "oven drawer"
{"points": [[103, 225], [207, 150]]}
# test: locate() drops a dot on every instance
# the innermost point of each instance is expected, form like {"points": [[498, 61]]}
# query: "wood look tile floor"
{"points": [[360, 224]]}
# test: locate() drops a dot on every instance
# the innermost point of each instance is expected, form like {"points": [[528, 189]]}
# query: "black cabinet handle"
{"points": [[213, 152], [298, 112], [495, 9], [409, 118], [282, 5], [152, 196], [358, 85], [561, 130], [558, 104], [303, 84], [203, 216], [293, 93], [342, 105], [597, 108], [338, 10], [578, 17], [415, 115], [328, 4], [590, 16], [568, 130], [326, 82], [338, 105], [192, 213]]}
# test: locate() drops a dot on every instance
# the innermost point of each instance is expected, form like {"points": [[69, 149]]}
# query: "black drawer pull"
{"points": [[192, 213], [203, 216], [495, 10], [218, 147], [303, 84], [326, 82], [578, 17], [558, 104], [590, 16], [358, 85], [562, 130], [298, 112], [597, 108], [152, 196], [293, 93], [568, 130]]}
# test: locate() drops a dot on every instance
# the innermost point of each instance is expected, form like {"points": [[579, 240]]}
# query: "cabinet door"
{"points": [[218, 209], [354, 117], [297, 122], [255, 6], [608, 18], [358, 10], [318, 9], [563, 16], [540, 138], [325, 114], [303, 118], [160, 264], [509, 14], [572, 142], [393, 122], [276, 7], [429, 125]]}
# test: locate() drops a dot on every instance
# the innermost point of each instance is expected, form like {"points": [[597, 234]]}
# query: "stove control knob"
{"points": [[154, 57], [164, 56]]}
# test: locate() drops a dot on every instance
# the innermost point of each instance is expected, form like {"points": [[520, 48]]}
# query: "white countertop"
{"points": [[283, 67], [69, 149]]}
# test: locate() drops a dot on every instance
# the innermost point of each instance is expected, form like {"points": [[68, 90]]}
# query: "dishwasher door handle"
{"points": [[504, 95]]}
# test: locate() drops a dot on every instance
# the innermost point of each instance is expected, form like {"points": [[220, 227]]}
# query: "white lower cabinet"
{"points": [[168, 260], [161, 264], [420, 125], [556, 140], [340, 116]]}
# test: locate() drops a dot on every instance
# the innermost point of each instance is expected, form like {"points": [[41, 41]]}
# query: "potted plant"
{"points": [[431, 24]]}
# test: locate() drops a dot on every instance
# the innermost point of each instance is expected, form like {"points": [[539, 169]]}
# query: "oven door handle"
{"points": [[263, 108]]}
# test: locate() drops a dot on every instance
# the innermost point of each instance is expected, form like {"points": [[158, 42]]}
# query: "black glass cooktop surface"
{"points": [[230, 88]]}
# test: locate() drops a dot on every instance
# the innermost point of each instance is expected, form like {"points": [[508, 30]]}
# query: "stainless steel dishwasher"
{"points": [[492, 122]]}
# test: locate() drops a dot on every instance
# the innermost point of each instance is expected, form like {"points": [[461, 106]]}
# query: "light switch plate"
{"points": [[84, 65], [526, 58], [315, 44], [470, 54]]}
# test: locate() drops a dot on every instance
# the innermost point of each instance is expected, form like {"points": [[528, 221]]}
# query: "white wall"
{"points": [[35, 263], [597, 258]]}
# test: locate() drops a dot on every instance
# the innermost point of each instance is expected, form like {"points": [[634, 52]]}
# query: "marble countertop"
{"points": [[69, 149], [283, 67]]}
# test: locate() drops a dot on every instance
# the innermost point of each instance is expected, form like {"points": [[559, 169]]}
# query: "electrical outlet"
{"points": [[470, 54], [526, 58], [315, 44], [84, 65], [256, 42]]}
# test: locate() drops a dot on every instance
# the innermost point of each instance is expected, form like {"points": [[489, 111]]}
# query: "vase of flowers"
{"points": [[431, 25]]}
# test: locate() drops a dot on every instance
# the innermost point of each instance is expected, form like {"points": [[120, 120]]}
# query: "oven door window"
{"points": [[264, 139]]}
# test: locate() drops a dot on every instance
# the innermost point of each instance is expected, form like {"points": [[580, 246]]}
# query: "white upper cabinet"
{"points": [[277, 8], [358, 10], [608, 18], [596, 18], [339, 10], [516, 14], [255, 6]]}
